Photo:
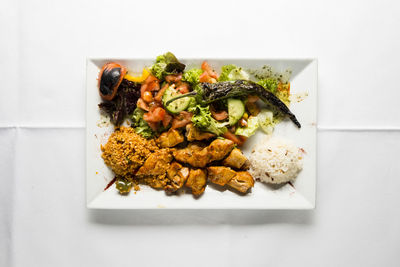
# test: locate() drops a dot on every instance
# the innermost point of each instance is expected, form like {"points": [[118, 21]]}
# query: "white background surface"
{"points": [[43, 219]]}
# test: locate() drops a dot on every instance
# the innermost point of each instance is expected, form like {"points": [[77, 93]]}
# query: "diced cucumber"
{"points": [[177, 105], [235, 110]]}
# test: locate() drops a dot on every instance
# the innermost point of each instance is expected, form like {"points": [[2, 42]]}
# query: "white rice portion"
{"points": [[276, 161]]}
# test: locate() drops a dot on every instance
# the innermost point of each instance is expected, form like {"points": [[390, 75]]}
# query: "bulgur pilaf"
{"points": [[126, 151]]}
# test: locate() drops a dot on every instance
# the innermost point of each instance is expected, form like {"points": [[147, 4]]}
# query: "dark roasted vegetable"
{"points": [[124, 102], [211, 92], [110, 77]]}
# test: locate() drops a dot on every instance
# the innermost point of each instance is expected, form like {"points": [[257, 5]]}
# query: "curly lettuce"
{"points": [[281, 90], [158, 69], [271, 84], [202, 119], [140, 125], [192, 76], [166, 64], [192, 104]]}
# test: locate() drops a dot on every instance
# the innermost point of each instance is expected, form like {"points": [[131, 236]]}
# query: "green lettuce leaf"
{"points": [[225, 70], [271, 84], [166, 64], [232, 73], [192, 76], [140, 125], [202, 119], [266, 121], [250, 129]]}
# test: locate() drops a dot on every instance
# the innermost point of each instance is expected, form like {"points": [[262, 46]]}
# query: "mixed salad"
{"points": [[233, 103]]}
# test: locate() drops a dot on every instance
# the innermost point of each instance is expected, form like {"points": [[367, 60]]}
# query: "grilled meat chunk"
{"points": [[242, 182], [197, 156], [194, 154], [193, 133], [177, 176], [170, 138], [236, 159], [156, 182], [197, 181], [156, 164], [220, 175], [153, 171], [173, 169], [219, 148]]}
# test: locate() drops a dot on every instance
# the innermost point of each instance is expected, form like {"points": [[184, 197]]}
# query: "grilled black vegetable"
{"points": [[210, 92]]}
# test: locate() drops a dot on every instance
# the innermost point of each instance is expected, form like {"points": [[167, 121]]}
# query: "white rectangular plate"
{"points": [[262, 196]]}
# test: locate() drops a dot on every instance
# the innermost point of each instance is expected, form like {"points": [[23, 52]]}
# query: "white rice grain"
{"points": [[276, 161]]}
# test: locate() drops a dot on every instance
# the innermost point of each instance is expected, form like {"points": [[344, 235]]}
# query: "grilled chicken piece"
{"points": [[197, 156], [156, 164], [194, 154], [193, 133], [220, 175], [236, 159], [183, 176], [197, 181], [156, 182], [153, 171], [219, 148], [242, 182], [177, 176], [173, 169], [170, 138]]}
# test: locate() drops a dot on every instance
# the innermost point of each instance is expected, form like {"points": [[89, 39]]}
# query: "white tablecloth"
{"points": [[43, 219]]}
